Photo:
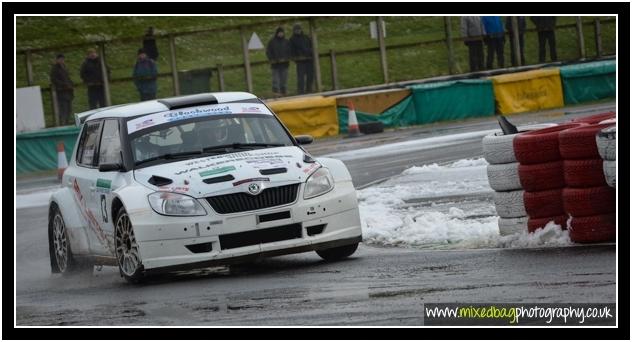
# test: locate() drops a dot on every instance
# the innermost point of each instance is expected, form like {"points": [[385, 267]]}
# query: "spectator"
{"points": [[64, 88], [301, 52], [522, 28], [546, 33], [145, 72], [472, 32], [93, 78], [495, 40], [149, 44], [278, 53]]}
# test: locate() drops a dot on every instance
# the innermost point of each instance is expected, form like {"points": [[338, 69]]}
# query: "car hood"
{"points": [[228, 173]]}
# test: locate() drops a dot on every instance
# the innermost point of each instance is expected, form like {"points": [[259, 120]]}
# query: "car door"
{"points": [[108, 181], [84, 186]]}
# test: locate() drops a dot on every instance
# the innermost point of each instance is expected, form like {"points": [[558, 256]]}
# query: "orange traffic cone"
{"points": [[353, 128], [62, 162]]}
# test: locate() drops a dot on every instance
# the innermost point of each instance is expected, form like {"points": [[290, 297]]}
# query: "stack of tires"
{"points": [[587, 198], [607, 147], [541, 174], [502, 173]]}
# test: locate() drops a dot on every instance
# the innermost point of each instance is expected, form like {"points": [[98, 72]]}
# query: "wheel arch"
{"points": [[64, 201]]}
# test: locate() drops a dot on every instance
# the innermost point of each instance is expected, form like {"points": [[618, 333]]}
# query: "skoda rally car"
{"points": [[196, 181]]}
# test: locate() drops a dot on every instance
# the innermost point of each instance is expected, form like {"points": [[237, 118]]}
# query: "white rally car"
{"points": [[196, 181]]}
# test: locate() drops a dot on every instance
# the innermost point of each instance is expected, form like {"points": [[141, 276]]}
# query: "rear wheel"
{"points": [[127, 251], [337, 253], [61, 258]]}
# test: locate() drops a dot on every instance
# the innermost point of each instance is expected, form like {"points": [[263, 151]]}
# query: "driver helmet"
{"points": [[214, 130]]}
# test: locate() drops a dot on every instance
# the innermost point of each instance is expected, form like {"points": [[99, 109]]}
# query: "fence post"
{"points": [[447, 24], [244, 47], [29, 68], [380, 40], [516, 42], [334, 69], [104, 74], [174, 66], [220, 77], [598, 45], [580, 38], [53, 97], [316, 58]]}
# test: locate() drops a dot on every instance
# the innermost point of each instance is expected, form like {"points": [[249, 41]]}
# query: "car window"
{"points": [[200, 135], [110, 146], [88, 144]]}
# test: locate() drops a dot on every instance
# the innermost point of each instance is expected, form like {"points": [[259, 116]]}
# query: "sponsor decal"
{"points": [[104, 185], [311, 168], [212, 223], [231, 159], [217, 171], [89, 217], [243, 181], [179, 189], [179, 114], [104, 208]]}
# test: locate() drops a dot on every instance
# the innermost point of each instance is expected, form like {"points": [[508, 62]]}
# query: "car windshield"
{"points": [[207, 136]]}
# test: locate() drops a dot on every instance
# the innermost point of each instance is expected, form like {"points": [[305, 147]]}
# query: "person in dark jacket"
{"points": [[91, 75], [495, 40], [301, 52], [472, 32], [546, 33], [64, 88], [522, 28], [278, 53], [145, 73], [149, 44]]}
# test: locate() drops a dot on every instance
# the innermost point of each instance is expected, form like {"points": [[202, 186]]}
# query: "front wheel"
{"points": [[337, 253], [127, 251]]}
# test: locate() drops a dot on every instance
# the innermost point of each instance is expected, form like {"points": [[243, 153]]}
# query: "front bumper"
{"points": [[163, 240]]}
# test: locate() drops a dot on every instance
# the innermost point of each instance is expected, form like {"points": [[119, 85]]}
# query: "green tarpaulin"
{"points": [[401, 114], [37, 151], [452, 100], [588, 81]]}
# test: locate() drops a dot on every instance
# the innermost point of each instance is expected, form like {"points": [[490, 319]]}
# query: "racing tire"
{"points": [[536, 223], [337, 253], [584, 173], [589, 201], [540, 146], [510, 226], [539, 177], [610, 173], [498, 147], [595, 119], [62, 259], [503, 177], [592, 229], [542, 204], [510, 204], [126, 249], [607, 143], [580, 142]]}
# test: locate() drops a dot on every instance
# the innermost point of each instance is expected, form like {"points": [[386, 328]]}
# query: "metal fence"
{"points": [[434, 49]]}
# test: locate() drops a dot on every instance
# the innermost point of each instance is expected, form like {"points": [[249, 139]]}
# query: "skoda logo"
{"points": [[254, 188]]}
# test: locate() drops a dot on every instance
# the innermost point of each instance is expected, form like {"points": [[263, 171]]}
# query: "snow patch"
{"points": [[442, 206]]}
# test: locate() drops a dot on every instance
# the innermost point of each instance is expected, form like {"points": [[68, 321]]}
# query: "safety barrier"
{"points": [[414, 105]]}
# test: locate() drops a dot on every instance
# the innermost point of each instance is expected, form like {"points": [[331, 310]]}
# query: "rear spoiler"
{"points": [[80, 118]]}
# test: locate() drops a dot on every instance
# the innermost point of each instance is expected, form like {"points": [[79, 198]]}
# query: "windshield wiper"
{"points": [[170, 156], [239, 146]]}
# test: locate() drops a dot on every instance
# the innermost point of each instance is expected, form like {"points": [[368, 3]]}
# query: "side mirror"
{"points": [[304, 139], [110, 167]]}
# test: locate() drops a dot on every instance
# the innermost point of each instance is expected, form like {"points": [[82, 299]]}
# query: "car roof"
{"points": [[160, 105]]}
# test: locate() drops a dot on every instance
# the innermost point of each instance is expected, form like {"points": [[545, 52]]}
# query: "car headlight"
{"points": [[170, 203], [319, 183]]}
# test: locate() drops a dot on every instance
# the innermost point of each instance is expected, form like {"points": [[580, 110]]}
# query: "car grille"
{"points": [[241, 201]]}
